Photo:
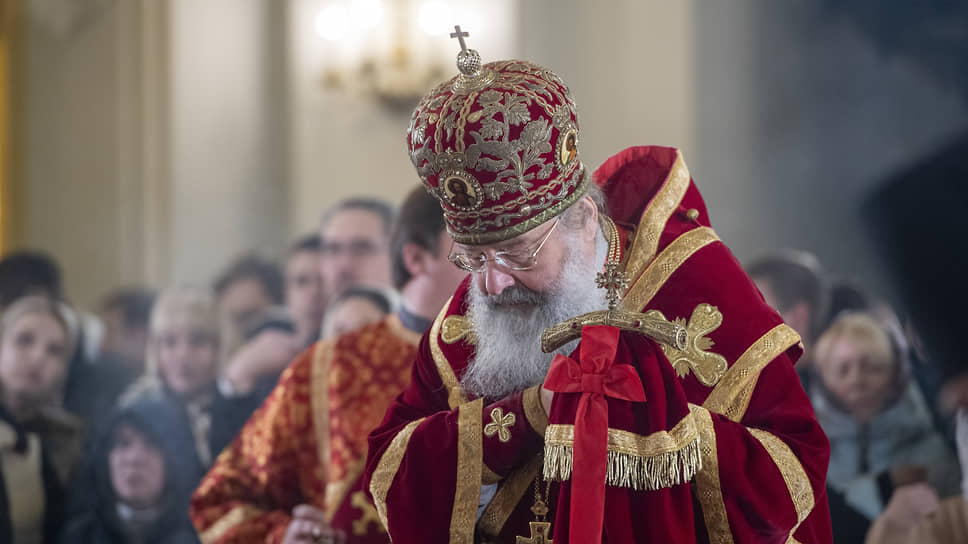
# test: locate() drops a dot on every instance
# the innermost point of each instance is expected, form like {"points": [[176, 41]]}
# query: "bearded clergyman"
{"points": [[607, 372]]}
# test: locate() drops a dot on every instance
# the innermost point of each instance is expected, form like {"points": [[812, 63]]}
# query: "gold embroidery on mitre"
{"points": [[457, 327], [708, 366], [369, 514], [499, 425]]}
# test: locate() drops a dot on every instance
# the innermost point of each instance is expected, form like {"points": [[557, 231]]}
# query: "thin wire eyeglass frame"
{"points": [[502, 258]]}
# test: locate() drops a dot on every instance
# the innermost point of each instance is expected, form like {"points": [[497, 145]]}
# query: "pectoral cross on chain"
{"points": [[614, 281], [539, 534], [460, 37]]}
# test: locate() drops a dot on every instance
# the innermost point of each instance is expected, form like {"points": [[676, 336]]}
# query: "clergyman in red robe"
{"points": [[668, 410]]}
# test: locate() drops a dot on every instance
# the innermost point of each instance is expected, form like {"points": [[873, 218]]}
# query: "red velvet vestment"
{"points": [[733, 391]]}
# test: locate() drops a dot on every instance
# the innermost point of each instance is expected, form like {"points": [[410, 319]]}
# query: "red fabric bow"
{"points": [[595, 376]]}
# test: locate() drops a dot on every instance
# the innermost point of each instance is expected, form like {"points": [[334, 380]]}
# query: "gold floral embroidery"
{"points": [[655, 217], [732, 394], [470, 461], [368, 514], [387, 468], [708, 366], [499, 425], [455, 396], [455, 328], [797, 482], [664, 265], [507, 498], [707, 480]]}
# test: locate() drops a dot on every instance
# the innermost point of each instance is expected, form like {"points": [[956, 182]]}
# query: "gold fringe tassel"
{"points": [[626, 470]]}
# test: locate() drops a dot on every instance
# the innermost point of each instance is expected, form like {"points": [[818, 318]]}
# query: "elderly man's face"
{"points": [[354, 251], [510, 308], [507, 285]]}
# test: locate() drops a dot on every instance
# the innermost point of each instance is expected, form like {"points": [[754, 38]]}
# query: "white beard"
{"points": [[508, 357]]}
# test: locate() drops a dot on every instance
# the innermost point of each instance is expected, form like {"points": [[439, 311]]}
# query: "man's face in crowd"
{"points": [[305, 297], [137, 468], [354, 251], [796, 316], [242, 300]]}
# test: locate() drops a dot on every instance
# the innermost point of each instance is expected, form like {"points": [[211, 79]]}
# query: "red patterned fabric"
{"points": [[275, 464]]}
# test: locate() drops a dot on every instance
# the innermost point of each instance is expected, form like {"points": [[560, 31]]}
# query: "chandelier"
{"points": [[390, 51]]}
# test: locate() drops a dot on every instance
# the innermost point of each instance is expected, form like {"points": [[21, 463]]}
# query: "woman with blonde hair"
{"points": [[181, 368], [39, 443], [881, 433]]}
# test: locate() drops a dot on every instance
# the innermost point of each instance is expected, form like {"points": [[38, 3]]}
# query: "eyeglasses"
{"points": [[511, 260]]}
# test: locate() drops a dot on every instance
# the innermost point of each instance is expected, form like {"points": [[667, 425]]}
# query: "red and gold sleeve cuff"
{"points": [[513, 430]]}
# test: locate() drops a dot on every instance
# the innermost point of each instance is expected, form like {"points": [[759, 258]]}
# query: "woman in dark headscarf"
{"points": [[140, 494]]}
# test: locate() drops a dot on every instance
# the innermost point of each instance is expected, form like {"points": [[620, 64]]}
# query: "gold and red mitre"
{"points": [[498, 146]]}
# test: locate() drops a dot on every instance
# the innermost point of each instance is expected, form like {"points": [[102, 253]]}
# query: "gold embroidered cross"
{"points": [[539, 534], [499, 424], [369, 514], [614, 281]]}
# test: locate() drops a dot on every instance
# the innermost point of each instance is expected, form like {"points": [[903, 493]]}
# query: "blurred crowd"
{"points": [[110, 418]]}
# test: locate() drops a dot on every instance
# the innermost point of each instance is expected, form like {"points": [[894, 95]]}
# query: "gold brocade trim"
{"points": [[792, 540], [336, 491], [534, 410], [662, 268], [507, 498], [797, 482], [456, 328], [470, 460], [732, 394], [488, 476], [475, 239], [234, 517], [708, 366], [455, 396], [707, 480], [661, 459], [319, 404], [387, 468], [655, 217]]}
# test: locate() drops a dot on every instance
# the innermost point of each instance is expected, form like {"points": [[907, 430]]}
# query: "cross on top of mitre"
{"points": [[460, 37], [468, 60]]}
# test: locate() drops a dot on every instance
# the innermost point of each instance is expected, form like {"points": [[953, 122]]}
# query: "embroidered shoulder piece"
{"points": [[708, 366]]}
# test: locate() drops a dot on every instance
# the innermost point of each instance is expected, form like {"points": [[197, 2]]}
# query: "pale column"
{"points": [[629, 64], [227, 108]]}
